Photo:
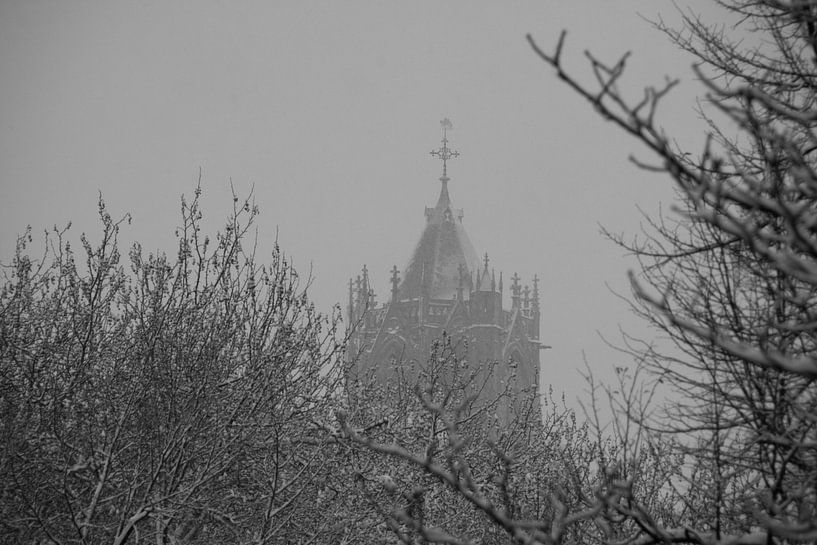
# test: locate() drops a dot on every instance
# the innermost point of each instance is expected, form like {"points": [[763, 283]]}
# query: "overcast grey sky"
{"points": [[329, 110]]}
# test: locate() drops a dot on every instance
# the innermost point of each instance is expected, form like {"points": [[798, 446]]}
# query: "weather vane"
{"points": [[445, 153]]}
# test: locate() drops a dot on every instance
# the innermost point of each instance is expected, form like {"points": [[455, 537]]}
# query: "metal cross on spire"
{"points": [[445, 153]]}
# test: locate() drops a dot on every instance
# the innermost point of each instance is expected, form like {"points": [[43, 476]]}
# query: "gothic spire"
{"points": [[432, 270], [535, 301], [351, 303]]}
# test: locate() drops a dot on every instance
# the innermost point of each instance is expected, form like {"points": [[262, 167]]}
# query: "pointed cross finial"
{"points": [[445, 153], [351, 302], [535, 300], [516, 280], [515, 290], [485, 260], [395, 281]]}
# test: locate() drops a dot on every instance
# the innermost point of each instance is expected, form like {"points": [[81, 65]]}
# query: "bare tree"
{"points": [[177, 400], [436, 467], [731, 280]]}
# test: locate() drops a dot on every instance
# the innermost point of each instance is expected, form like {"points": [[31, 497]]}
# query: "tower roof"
{"points": [[444, 254]]}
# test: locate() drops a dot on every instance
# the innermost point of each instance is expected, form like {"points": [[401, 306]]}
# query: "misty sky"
{"points": [[328, 110]]}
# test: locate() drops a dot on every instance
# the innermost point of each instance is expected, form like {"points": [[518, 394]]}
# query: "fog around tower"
{"points": [[326, 112]]}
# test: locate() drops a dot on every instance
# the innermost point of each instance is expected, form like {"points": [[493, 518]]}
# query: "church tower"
{"points": [[446, 289]]}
